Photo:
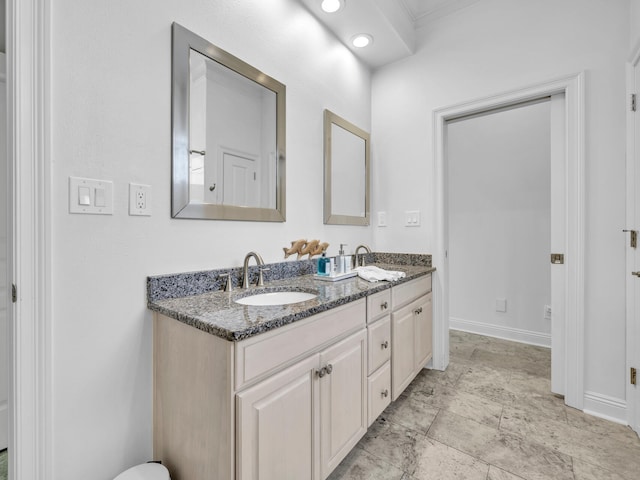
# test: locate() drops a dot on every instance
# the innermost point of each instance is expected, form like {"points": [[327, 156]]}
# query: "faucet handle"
{"points": [[228, 286], [261, 277]]}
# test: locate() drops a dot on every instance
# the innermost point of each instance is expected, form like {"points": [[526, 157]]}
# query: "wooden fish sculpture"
{"points": [[296, 246], [308, 248], [322, 247]]}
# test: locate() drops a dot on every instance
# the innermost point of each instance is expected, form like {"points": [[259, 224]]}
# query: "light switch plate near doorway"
{"points": [[90, 196]]}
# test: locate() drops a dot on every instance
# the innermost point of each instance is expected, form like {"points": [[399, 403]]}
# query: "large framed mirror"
{"points": [[346, 172], [228, 135]]}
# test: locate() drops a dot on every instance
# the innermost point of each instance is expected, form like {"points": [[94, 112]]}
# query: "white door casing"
{"points": [[573, 89], [4, 255], [633, 255], [28, 57], [558, 242]]}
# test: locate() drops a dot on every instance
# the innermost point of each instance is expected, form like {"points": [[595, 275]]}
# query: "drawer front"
{"points": [[271, 351], [402, 294], [379, 343], [378, 305], [379, 392]]}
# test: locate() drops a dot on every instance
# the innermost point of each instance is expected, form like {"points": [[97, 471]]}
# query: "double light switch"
{"points": [[87, 195]]}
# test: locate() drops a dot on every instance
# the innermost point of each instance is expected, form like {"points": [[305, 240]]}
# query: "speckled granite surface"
{"points": [[197, 298]]}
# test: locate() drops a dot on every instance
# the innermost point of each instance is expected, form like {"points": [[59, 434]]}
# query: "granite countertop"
{"points": [[216, 312]]}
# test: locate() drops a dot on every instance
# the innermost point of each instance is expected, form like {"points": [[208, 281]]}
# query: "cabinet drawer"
{"points": [[378, 305], [379, 343], [402, 294], [379, 392], [268, 352]]}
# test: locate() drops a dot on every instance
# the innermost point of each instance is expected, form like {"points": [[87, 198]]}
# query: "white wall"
{"points": [[492, 47], [111, 119], [499, 222], [634, 21]]}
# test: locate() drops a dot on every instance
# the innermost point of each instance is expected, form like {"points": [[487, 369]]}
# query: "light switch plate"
{"points": [[412, 218], [382, 219], [82, 196]]}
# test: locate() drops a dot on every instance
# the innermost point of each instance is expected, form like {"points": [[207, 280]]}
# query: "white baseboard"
{"points": [[603, 406], [506, 333]]}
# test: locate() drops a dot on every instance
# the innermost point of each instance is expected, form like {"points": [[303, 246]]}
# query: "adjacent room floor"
{"points": [[490, 416]]}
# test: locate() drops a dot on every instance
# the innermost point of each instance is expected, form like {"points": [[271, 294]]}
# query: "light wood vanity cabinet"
{"points": [[411, 332], [289, 403]]}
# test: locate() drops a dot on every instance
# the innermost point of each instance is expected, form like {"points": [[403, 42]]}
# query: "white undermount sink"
{"points": [[275, 298]]}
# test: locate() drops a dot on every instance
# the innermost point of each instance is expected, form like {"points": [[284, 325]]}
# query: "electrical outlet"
{"points": [[547, 312], [501, 305], [382, 219], [139, 199]]}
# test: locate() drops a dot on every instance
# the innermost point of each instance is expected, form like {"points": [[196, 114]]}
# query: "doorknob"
{"points": [[637, 274]]}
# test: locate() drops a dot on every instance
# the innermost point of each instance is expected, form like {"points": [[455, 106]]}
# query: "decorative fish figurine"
{"points": [[296, 246], [319, 249], [308, 248]]}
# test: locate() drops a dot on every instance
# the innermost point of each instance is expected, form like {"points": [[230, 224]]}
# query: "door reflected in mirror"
{"points": [[346, 160], [228, 135]]}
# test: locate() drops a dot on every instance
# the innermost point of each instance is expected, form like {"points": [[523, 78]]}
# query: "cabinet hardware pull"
{"points": [[385, 393], [329, 369], [385, 344], [384, 306], [637, 274], [322, 372], [418, 311]]}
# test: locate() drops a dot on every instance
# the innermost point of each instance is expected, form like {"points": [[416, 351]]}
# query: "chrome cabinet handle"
{"points": [[385, 344], [384, 306], [637, 274], [329, 368], [322, 372], [385, 393], [418, 311]]}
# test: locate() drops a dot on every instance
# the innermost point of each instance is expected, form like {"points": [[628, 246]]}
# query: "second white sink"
{"points": [[275, 298]]}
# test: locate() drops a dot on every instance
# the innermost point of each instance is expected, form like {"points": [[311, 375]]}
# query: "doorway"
{"points": [[500, 204], [572, 276]]}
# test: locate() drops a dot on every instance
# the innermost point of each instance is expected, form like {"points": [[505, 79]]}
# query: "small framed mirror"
{"points": [[228, 135], [346, 172]]}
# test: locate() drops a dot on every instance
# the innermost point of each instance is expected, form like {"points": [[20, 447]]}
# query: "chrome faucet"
{"points": [[367, 249], [245, 269]]}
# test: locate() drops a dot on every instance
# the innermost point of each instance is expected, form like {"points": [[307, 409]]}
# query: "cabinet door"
{"points": [[277, 426], [343, 400], [403, 353], [423, 316]]}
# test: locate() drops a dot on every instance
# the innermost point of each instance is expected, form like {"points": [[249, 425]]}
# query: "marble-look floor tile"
{"points": [[492, 384], [586, 471], [601, 426], [395, 444], [448, 377], [474, 407], [412, 413], [540, 406], [504, 450], [581, 444], [496, 473], [441, 462], [532, 365], [361, 465]]}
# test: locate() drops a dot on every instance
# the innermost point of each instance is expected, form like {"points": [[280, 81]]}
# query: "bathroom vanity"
{"points": [[283, 390]]}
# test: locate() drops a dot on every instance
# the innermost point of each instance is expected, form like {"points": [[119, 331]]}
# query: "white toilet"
{"points": [[146, 471]]}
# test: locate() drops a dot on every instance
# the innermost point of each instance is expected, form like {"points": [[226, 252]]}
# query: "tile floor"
{"points": [[3, 465], [490, 416]]}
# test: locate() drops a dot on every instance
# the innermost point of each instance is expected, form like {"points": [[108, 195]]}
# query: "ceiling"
{"points": [[391, 23]]}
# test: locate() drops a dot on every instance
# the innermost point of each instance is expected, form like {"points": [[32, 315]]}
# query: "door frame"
{"points": [[573, 88], [633, 324], [28, 140]]}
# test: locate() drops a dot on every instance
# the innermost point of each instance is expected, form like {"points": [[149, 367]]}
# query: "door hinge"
{"points": [[633, 102], [557, 258], [632, 375], [633, 239], [14, 293]]}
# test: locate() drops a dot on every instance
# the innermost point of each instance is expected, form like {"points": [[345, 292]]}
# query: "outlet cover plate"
{"points": [[139, 199]]}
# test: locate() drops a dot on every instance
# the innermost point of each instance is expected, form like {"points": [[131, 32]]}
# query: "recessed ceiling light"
{"points": [[361, 40], [332, 6]]}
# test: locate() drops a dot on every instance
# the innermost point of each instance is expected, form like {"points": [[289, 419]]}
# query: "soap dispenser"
{"points": [[341, 260], [323, 264]]}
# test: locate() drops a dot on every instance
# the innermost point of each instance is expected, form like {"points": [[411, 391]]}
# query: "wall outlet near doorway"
{"points": [[501, 305], [547, 312]]}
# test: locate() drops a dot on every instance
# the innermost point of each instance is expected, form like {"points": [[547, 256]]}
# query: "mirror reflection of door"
{"points": [[241, 187]]}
